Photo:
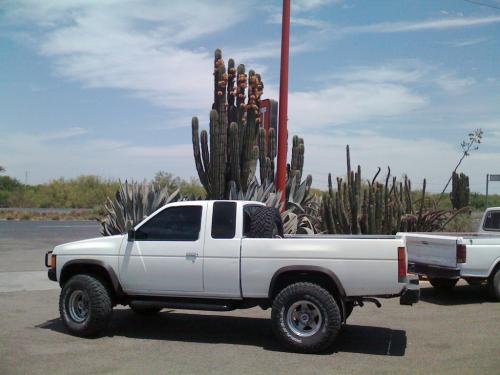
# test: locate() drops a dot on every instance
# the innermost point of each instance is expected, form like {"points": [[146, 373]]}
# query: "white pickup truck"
{"points": [[224, 255], [446, 257]]}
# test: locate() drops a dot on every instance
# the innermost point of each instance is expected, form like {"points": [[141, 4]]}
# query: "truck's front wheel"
{"points": [[85, 305], [305, 318]]}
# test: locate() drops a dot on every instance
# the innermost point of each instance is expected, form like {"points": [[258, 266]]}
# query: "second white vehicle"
{"points": [[445, 258], [224, 255]]}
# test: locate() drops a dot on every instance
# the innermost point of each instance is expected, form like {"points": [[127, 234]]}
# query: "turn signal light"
{"points": [[53, 262]]}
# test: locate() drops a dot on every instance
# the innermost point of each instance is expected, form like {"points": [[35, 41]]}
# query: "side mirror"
{"points": [[131, 235]]}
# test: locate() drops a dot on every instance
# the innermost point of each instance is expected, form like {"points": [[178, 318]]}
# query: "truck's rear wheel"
{"points": [[305, 318], [494, 285], [85, 305], [444, 285]]}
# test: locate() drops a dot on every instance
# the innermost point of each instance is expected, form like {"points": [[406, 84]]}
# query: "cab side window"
{"points": [[492, 221], [224, 220], [172, 224]]}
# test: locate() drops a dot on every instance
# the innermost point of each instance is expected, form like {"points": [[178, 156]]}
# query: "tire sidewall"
{"points": [[285, 328], [495, 285], [100, 305], [329, 311], [71, 286]]}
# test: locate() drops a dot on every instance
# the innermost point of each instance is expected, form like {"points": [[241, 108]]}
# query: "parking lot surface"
{"points": [[455, 333]]}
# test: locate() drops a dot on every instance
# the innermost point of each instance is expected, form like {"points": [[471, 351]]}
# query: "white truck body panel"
{"points": [[355, 260], [238, 267], [432, 248], [440, 250]]}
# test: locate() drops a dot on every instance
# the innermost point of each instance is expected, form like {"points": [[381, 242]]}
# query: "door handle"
{"points": [[191, 255]]}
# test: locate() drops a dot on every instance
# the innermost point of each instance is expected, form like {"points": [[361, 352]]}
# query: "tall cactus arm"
{"points": [[200, 168], [205, 154], [234, 154]]}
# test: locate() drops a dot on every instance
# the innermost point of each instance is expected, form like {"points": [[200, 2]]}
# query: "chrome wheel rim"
{"points": [[78, 306], [304, 318]]}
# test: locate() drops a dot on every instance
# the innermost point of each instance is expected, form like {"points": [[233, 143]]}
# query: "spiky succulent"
{"points": [[134, 201]]}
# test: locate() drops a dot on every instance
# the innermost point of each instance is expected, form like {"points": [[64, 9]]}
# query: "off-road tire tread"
{"points": [[327, 300], [262, 223], [101, 306]]}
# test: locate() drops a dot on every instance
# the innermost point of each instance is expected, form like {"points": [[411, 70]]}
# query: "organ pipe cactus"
{"points": [[375, 208]]}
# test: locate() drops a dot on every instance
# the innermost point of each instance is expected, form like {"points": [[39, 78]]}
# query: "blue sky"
{"points": [[109, 87]]}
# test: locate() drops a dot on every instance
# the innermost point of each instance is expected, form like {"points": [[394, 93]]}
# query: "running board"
{"points": [[182, 305]]}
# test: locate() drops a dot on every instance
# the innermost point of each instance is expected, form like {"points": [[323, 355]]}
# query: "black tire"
{"points": [[444, 285], [494, 285], [262, 223], [98, 304], [145, 310], [285, 327]]}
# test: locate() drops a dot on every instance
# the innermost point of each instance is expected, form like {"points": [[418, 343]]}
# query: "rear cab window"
{"points": [[492, 221], [224, 220]]}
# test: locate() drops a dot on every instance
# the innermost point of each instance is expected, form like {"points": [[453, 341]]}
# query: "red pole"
{"points": [[283, 103]]}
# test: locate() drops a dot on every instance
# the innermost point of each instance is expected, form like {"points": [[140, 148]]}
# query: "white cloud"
{"points": [[438, 24], [132, 45], [350, 103], [453, 84], [307, 5], [419, 158], [407, 72], [468, 42], [64, 134], [370, 93], [105, 157]]}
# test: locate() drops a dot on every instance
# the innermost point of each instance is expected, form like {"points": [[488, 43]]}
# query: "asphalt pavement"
{"points": [[443, 334]]}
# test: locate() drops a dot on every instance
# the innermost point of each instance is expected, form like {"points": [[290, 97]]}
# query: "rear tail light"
{"points": [[461, 253], [53, 262], [401, 264]]}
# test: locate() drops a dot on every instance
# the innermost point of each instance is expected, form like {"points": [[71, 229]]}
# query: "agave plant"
{"points": [[301, 208], [132, 203]]}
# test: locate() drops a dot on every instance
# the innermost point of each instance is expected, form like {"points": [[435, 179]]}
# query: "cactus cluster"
{"points": [[460, 191], [230, 152], [370, 207]]}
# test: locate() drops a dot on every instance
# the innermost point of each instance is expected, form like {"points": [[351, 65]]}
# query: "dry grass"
{"points": [[33, 215]]}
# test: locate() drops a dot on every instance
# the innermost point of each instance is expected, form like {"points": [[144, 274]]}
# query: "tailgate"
{"points": [[433, 250]]}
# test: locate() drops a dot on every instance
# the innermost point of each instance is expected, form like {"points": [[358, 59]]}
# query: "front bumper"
{"points": [[52, 271], [52, 274], [411, 294]]}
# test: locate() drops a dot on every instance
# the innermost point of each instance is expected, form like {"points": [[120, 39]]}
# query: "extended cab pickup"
{"points": [[446, 257], [207, 255]]}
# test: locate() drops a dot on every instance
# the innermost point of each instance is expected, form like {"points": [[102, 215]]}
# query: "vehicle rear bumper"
{"points": [[411, 294], [434, 271]]}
